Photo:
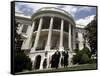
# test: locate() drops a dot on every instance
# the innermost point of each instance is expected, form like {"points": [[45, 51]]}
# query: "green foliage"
{"points": [[82, 56], [75, 59], [91, 61], [87, 51], [76, 50], [84, 59], [91, 35], [21, 61]]}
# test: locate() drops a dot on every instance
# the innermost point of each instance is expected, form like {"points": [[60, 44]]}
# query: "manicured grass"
{"points": [[74, 68]]}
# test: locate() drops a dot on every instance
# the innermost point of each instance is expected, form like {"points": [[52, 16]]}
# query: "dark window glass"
{"points": [[41, 47], [77, 46], [24, 28], [76, 34], [56, 23], [84, 45], [83, 35], [36, 24], [71, 30], [19, 44], [32, 44], [46, 22], [54, 44], [66, 26]]}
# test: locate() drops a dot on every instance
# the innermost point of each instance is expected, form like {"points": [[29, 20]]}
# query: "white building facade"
{"points": [[46, 31]]}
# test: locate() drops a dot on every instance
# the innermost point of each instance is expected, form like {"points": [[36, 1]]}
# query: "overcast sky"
{"points": [[81, 14]]}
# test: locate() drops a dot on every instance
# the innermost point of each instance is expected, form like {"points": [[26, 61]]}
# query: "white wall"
{"points": [[80, 39]]}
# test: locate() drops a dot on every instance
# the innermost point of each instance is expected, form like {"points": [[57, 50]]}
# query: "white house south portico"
{"points": [[46, 31]]}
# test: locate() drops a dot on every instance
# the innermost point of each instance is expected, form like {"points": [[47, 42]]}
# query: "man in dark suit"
{"points": [[66, 56], [57, 58]]}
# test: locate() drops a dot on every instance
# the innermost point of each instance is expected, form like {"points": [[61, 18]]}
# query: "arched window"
{"points": [[37, 62]]}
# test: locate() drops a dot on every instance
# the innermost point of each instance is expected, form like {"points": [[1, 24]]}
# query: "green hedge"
{"points": [[84, 59], [82, 56]]}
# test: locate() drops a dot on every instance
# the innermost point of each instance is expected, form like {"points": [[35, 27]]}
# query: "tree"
{"points": [[21, 61], [91, 35]]}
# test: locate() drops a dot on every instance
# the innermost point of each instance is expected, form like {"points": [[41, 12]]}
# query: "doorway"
{"points": [[37, 62]]}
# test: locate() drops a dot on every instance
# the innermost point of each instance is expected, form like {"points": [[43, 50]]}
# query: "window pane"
{"points": [[77, 46], [66, 24], [24, 28], [76, 34], [56, 23], [36, 24], [46, 22]]}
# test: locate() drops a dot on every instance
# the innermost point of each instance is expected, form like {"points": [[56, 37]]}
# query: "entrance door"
{"points": [[45, 63], [37, 62]]}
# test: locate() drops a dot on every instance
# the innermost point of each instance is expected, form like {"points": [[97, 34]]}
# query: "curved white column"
{"points": [[28, 41], [37, 35], [48, 45], [74, 37], [69, 41], [61, 48], [47, 48], [41, 63]]}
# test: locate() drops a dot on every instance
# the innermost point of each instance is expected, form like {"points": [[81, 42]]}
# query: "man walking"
{"points": [[57, 58], [66, 56]]}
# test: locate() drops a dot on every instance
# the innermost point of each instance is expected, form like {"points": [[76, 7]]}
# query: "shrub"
{"points": [[87, 51], [75, 59], [84, 59], [76, 50], [22, 62], [82, 56], [91, 61]]}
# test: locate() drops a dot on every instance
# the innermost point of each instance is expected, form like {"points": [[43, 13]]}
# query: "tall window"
{"points": [[84, 45], [76, 34], [66, 26], [43, 45], [46, 22], [83, 35], [54, 44], [24, 30], [56, 23], [77, 46], [36, 24]]}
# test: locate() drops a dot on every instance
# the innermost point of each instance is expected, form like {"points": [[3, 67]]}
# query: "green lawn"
{"points": [[74, 68]]}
